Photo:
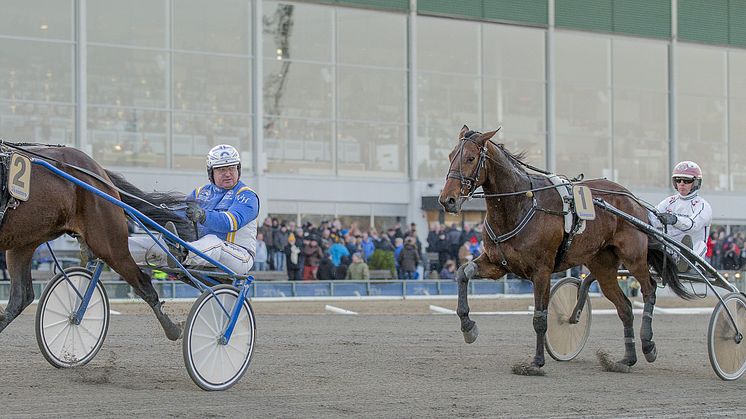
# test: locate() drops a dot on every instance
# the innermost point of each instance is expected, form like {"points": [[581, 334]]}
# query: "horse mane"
{"points": [[519, 157], [159, 210]]}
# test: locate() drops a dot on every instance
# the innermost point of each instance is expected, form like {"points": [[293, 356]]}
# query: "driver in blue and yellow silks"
{"points": [[226, 211]]}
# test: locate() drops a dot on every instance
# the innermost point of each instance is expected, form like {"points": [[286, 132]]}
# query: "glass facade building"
{"points": [[349, 108]]}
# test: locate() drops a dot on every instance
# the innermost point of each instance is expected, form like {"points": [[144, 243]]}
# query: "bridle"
{"points": [[468, 182]]}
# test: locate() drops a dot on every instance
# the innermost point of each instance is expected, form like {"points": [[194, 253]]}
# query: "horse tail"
{"points": [[665, 265], [155, 205]]}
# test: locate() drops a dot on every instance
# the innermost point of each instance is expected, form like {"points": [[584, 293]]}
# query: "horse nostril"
{"points": [[451, 201]]}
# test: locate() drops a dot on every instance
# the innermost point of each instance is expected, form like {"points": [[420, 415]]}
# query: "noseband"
{"points": [[468, 182]]}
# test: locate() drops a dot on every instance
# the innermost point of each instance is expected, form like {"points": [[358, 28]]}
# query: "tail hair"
{"points": [[159, 210], [665, 265]]}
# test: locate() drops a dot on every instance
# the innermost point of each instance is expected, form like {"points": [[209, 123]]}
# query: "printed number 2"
{"points": [[19, 174]]}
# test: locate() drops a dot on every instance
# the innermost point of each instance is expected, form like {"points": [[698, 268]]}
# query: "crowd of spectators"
{"points": [[333, 251], [726, 251]]}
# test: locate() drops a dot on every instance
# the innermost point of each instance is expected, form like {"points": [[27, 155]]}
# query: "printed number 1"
{"points": [[582, 198]]}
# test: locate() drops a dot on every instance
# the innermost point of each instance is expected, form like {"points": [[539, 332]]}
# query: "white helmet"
{"points": [[221, 156]]}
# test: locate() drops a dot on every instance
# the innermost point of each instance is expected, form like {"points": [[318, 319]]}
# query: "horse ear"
{"points": [[464, 130], [487, 135]]}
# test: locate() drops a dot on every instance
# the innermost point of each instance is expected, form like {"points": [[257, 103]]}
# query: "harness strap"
{"points": [[19, 147]]}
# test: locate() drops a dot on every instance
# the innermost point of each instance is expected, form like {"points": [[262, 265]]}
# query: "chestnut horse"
{"points": [[523, 234], [56, 206]]}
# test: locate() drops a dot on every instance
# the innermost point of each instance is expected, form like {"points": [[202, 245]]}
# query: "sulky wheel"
{"points": [[212, 364], [64, 343], [726, 348], [565, 340]]}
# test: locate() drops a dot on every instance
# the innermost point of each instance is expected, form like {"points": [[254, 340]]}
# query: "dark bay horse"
{"points": [[57, 206], [527, 233]]}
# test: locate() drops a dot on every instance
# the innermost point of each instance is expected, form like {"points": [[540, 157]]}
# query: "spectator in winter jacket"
{"points": [[449, 270], [293, 259], [260, 259], [326, 269], [312, 258], [409, 258], [337, 251], [340, 272], [358, 269]]}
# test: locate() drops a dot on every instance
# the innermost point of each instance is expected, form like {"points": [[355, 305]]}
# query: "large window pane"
{"points": [[532, 145], [700, 70], [298, 146], [737, 144], [446, 45], [31, 70], [641, 139], [363, 148], [737, 106], [211, 83], [213, 26], [357, 28], [298, 89], [582, 59], [128, 137], [445, 104], [195, 134], [583, 126], [701, 124], [516, 104], [640, 81], [127, 77], [297, 31], [51, 19], [357, 85], [510, 52], [38, 122], [584, 154], [702, 112], [134, 22]]}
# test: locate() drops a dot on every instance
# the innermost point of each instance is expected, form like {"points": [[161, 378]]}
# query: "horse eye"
{"points": [[470, 159]]}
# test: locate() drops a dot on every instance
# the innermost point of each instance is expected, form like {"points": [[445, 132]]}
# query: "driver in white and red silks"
{"points": [[687, 214]]}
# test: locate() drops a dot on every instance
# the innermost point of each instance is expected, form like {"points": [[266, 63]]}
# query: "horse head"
{"points": [[467, 170]]}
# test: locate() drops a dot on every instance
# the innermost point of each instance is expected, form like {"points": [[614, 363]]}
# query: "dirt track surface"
{"points": [[313, 363]]}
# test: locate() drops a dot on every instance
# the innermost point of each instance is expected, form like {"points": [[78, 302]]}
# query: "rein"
{"points": [[19, 147], [470, 180]]}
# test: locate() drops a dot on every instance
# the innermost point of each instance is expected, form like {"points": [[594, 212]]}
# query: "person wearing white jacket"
{"points": [[688, 214]]}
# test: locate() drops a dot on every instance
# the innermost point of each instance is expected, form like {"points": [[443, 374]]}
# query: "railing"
{"points": [[120, 290]]}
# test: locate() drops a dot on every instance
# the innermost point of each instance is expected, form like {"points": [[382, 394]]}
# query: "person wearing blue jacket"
{"points": [[226, 212]]}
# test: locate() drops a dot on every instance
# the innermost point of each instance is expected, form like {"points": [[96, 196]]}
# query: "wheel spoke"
{"points": [[207, 345], [57, 323]]}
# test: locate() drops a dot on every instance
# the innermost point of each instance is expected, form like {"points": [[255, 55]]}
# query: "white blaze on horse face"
{"points": [[225, 177]]}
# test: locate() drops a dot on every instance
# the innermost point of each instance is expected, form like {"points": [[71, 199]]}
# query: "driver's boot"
{"points": [[176, 249], [681, 264]]}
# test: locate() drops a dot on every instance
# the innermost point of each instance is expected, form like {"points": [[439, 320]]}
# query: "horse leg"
{"points": [[604, 268], [542, 286], [125, 266], [484, 268], [637, 263], [647, 288], [21, 287]]}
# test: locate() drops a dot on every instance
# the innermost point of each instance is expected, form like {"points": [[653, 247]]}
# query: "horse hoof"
{"points": [[652, 355], [527, 369], [175, 332], [471, 335], [608, 365]]}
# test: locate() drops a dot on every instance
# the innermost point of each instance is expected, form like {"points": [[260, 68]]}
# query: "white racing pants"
{"points": [[146, 252]]}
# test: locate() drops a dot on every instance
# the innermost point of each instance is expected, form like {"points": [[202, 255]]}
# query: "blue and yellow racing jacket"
{"points": [[231, 214]]}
